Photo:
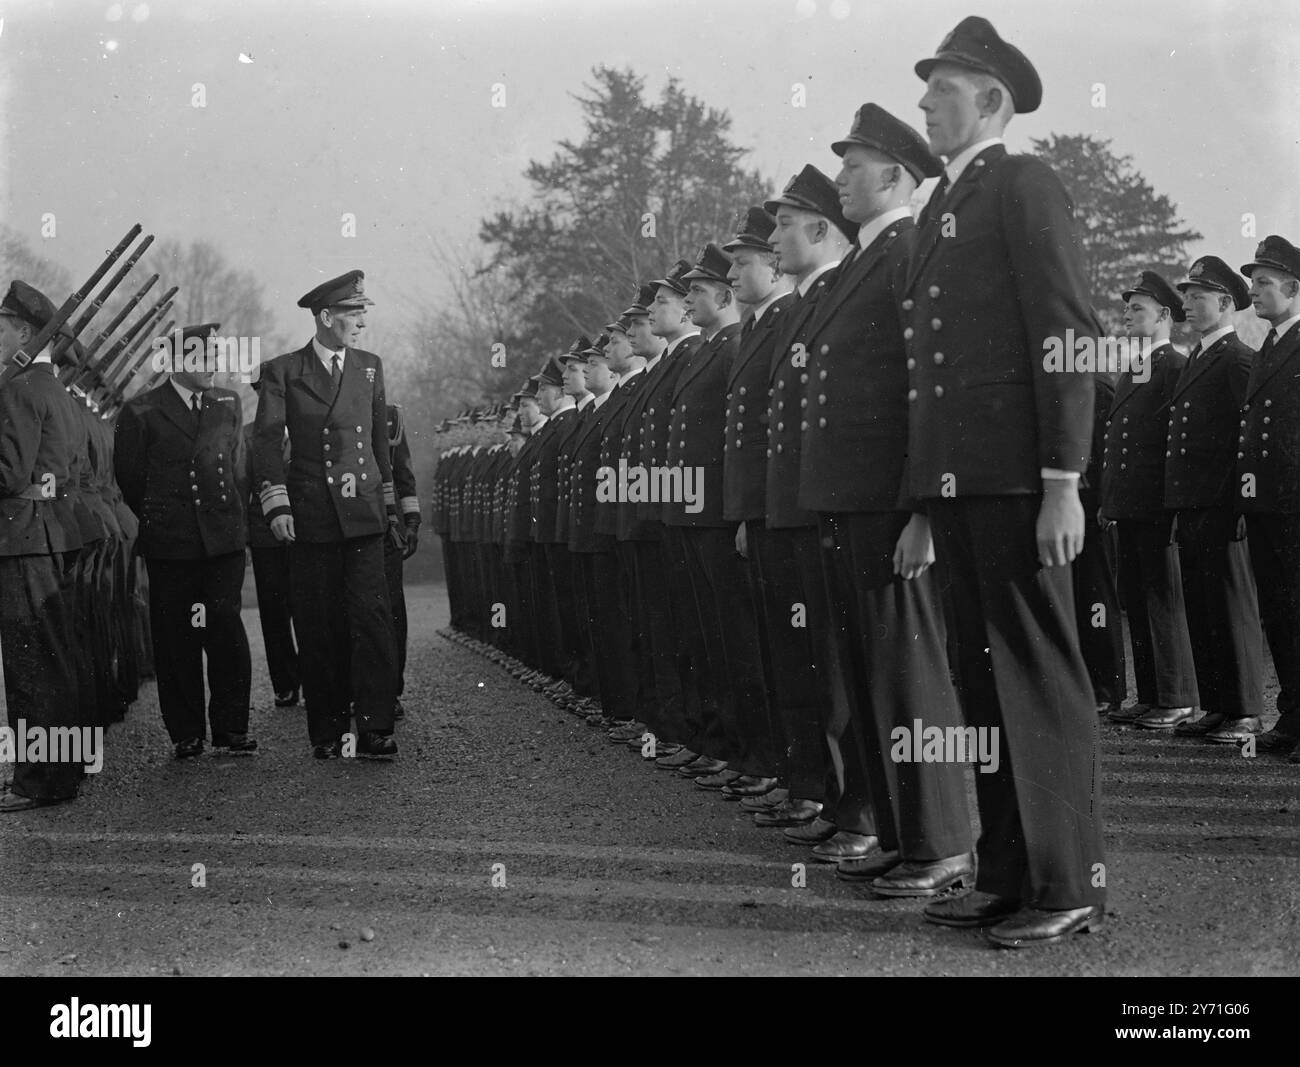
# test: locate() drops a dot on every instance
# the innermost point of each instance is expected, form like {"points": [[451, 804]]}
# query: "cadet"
{"points": [[331, 501], [39, 541], [179, 460], [1133, 498]]}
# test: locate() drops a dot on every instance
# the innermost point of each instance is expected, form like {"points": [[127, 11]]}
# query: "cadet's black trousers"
{"points": [[1096, 601], [271, 576], [1222, 612], [1275, 558], [396, 606], [1019, 670], [194, 609], [40, 668], [1152, 582], [892, 650], [345, 635], [613, 642]]}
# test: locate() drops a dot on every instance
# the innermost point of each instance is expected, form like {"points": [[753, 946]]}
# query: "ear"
{"points": [[990, 101]]}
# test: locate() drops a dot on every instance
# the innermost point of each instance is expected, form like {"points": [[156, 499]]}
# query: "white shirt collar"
{"points": [[761, 310], [1214, 336], [869, 231], [184, 393], [674, 346], [325, 355], [623, 379], [803, 287], [587, 398], [541, 421], [1285, 325], [597, 401], [566, 402], [962, 160]]}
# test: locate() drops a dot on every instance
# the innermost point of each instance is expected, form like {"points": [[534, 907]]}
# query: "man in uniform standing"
{"points": [[41, 438], [997, 440], [401, 543], [178, 456], [331, 502]]}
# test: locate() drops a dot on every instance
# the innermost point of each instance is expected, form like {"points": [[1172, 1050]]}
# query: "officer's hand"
{"points": [[915, 549], [742, 542], [1060, 522], [1241, 528], [282, 527], [412, 540], [395, 537]]}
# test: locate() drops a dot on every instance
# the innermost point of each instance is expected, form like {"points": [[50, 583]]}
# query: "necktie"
{"points": [[1196, 351], [854, 249], [336, 372], [1267, 349], [936, 198], [747, 329], [196, 405]]}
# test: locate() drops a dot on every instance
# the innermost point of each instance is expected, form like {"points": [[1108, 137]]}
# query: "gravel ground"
{"points": [[609, 865]]}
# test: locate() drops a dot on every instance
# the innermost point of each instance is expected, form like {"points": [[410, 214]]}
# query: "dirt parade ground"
{"points": [[509, 838]]}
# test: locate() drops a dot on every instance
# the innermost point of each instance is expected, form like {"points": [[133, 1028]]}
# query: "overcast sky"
{"points": [[384, 109]]}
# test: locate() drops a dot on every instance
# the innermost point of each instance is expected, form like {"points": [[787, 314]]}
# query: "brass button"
{"points": [[740, 410], [822, 423], [908, 304], [938, 359], [908, 333], [934, 292], [358, 429], [911, 363], [936, 324], [911, 394], [803, 425], [938, 390]]}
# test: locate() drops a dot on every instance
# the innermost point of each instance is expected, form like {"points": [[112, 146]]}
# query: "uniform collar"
{"points": [[1215, 336], [185, 394], [598, 400], [803, 287], [326, 354], [873, 228], [1285, 325], [963, 159]]}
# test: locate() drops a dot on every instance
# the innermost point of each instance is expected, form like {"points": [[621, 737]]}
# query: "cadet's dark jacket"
{"points": [[573, 429], [1201, 446], [1268, 445], [544, 477], [518, 511], [98, 522], [787, 376], [586, 450], [744, 474], [854, 426], [996, 279], [1090, 483], [339, 473], [399, 456], [697, 427], [184, 477], [1136, 431], [41, 437], [612, 437]]}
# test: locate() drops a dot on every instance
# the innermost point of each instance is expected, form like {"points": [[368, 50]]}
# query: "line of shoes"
{"points": [[858, 858], [1212, 726]]}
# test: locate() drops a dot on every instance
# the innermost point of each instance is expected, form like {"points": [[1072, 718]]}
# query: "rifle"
{"points": [[118, 354], [153, 378], [22, 357], [64, 341], [94, 346]]}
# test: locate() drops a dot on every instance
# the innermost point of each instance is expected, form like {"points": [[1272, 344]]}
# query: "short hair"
{"points": [[983, 82]]}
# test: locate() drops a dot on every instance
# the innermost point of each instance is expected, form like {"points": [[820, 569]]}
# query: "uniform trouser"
{"points": [[634, 610], [182, 634], [521, 623], [800, 690], [345, 636], [491, 591], [734, 646], [584, 678], [665, 711], [611, 632], [396, 606], [451, 575], [1152, 583], [568, 637], [86, 651], [1222, 612], [893, 646], [142, 630], [1019, 670], [271, 577], [503, 591], [108, 579], [1275, 559], [40, 671], [700, 725], [124, 644], [1100, 622], [545, 620]]}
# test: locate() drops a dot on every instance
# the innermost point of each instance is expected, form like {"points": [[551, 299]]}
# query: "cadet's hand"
{"points": [[742, 542], [915, 549], [1241, 528], [282, 527], [1060, 522], [412, 540]]}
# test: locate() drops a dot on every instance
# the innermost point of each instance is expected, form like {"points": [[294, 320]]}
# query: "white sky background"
{"points": [[382, 108]]}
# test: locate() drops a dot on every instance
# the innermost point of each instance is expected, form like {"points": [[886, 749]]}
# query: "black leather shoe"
{"points": [[1128, 714], [1163, 718], [845, 845], [399, 712], [373, 743], [747, 785], [327, 751], [235, 744], [766, 802], [678, 759], [927, 879], [189, 748], [1104, 708], [868, 868], [717, 781], [1031, 927], [813, 832], [1276, 740], [701, 767], [1211, 720], [1234, 731], [792, 813], [976, 908], [287, 699], [12, 802]]}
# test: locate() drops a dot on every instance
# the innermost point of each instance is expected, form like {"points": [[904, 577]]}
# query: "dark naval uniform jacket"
{"points": [[1137, 425], [338, 482], [613, 434], [697, 427], [544, 477], [585, 449], [744, 474], [1200, 446], [854, 424], [1268, 444], [41, 436], [184, 476], [978, 380]]}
